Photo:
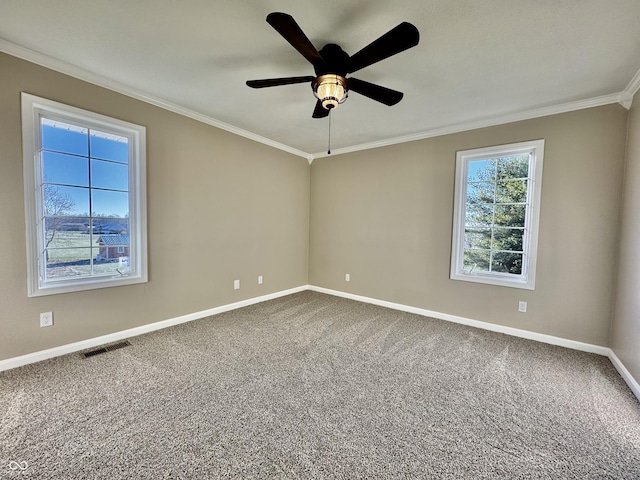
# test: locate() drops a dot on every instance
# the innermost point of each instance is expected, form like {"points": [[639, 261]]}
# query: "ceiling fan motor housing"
{"points": [[336, 60]]}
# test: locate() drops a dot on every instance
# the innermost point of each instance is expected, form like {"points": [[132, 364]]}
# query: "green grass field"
{"points": [[71, 247], [70, 255]]}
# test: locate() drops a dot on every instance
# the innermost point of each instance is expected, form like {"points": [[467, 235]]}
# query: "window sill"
{"points": [[496, 280], [85, 284]]}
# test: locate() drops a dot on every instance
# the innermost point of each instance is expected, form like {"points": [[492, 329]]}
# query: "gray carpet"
{"points": [[314, 386]]}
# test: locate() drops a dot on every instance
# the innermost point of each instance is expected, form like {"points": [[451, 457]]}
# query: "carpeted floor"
{"points": [[315, 386]]}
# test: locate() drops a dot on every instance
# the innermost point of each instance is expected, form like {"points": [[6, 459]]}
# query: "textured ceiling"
{"points": [[477, 61]]}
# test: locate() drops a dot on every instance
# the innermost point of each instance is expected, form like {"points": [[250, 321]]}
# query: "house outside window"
{"points": [[496, 214], [85, 198]]}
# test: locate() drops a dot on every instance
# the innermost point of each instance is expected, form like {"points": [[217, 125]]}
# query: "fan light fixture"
{"points": [[331, 90]]}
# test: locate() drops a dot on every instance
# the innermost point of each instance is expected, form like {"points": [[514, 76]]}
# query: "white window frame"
{"points": [[526, 279], [33, 108]]}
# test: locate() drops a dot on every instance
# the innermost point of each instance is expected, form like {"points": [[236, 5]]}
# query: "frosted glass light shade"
{"points": [[331, 90]]}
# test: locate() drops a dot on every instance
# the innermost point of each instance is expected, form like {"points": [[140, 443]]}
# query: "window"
{"points": [[496, 213], [85, 198]]}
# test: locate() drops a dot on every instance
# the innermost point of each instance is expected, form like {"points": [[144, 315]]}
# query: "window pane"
{"points": [[68, 262], [109, 175], [507, 263], [113, 254], [476, 261], [479, 216], [110, 226], [514, 191], [65, 169], [477, 238], [63, 233], [109, 147], [516, 166], [480, 192], [65, 201], [67, 224], [508, 239], [64, 137], [111, 267], [109, 204], [482, 170], [510, 215]]}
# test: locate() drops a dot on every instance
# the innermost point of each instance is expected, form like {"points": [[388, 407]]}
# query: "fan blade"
{"points": [[286, 26], [320, 111], [375, 92], [274, 82], [396, 40]]}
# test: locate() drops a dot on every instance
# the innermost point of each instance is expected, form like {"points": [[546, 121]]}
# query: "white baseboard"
{"points": [[133, 332], [625, 374], [516, 332]]}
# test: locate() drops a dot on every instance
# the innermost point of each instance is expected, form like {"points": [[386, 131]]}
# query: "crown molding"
{"points": [[624, 98], [90, 77], [629, 92], [482, 123]]}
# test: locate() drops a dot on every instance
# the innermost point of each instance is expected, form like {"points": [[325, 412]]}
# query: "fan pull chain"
{"points": [[329, 144]]}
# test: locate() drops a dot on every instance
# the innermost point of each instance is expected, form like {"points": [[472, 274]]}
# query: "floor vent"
{"points": [[108, 348]]}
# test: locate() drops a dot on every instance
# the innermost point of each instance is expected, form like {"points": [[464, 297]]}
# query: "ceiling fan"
{"points": [[332, 64]]}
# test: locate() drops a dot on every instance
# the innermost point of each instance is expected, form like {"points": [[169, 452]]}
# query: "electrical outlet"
{"points": [[259, 279], [347, 277], [236, 284], [522, 307], [46, 319]]}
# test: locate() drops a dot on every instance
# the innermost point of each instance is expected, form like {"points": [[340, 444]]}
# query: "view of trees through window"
{"points": [[495, 214], [85, 200]]}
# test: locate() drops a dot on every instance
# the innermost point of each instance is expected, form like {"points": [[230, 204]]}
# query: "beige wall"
{"points": [[625, 333], [385, 217], [220, 207]]}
